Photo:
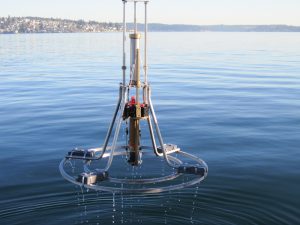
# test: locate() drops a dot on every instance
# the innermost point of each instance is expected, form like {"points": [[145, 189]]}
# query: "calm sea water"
{"points": [[231, 98]]}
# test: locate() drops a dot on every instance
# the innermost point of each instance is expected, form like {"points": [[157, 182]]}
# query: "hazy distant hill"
{"points": [[224, 28], [51, 25]]}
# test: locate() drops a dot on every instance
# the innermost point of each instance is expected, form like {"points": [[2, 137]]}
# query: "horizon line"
{"points": [[89, 20]]}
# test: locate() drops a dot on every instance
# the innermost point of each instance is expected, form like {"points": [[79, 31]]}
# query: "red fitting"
{"points": [[132, 101]]}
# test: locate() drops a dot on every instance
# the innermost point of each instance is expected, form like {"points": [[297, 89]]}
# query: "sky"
{"points": [[200, 12]]}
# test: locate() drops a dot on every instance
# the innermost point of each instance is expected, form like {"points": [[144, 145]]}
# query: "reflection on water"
{"points": [[229, 98], [99, 208]]}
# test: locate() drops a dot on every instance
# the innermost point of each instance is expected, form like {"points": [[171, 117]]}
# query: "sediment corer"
{"points": [[133, 112]]}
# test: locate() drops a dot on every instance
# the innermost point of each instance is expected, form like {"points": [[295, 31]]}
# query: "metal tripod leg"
{"points": [[152, 136], [112, 122], [158, 130], [117, 130]]}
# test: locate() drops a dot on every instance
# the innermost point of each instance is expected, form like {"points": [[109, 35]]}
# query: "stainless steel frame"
{"points": [[162, 151]]}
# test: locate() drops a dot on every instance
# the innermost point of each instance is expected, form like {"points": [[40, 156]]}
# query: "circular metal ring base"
{"points": [[169, 180]]}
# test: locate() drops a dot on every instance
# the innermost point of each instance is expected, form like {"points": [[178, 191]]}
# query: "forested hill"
{"points": [[51, 25]]}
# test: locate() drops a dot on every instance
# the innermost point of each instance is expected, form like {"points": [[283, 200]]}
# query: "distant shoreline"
{"points": [[152, 32], [16, 25]]}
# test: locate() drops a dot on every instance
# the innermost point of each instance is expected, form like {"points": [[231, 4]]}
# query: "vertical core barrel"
{"points": [[134, 123], [134, 46], [134, 141]]}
